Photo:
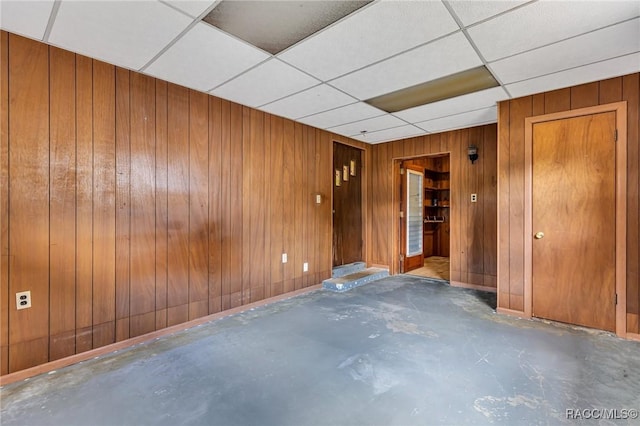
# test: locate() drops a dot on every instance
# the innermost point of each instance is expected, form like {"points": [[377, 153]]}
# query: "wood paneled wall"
{"points": [[511, 121], [473, 235], [129, 204]]}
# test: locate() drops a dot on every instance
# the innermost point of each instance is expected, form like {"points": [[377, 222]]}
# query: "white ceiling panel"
{"points": [[125, 33], [467, 119], [369, 125], [265, 83], [599, 71], [396, 133], [317, 99], [610, 42], [370, 35], [540, 23], [474, 11], [204, 58], [192, 7], [443, 57], [346, 114], [470, 102], [27, 18]]}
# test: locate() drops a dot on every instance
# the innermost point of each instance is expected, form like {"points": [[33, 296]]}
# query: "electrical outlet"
{"points": [[474, 198], [284, 257], [23, 300], [305, 267]]}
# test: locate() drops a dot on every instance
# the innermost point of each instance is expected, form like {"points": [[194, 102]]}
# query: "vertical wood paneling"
{"points": [[504, 173], [610, 90], [310, 203], [143, 201], [276, 201], [4, 203], [84, 204], [585, 95], [257, 210], [288, 170], [236, 263], [104, 204], [247, 202], [123, 206], [215, 205], [62, 204], [557, 100], [475, 222], [490, 204], [324, 234], [295, 250], [225, 196], [265, 288], [198, 204], [177, 204], [161, 202], [29, 200]]}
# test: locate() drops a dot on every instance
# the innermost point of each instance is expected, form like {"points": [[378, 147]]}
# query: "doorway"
{"points": [[347, 204], [576, 224], [434, 228]]}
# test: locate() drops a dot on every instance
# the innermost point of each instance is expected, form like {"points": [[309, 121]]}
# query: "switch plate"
{"points": [[474, 198], [284, 257], [305, 267], [23, 300], [318, 198]]}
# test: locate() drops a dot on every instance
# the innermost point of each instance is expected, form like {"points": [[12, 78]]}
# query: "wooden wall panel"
{"points": [[512, 116], [104, 204], [132, 198], [143, 201], [198, 204], [62, 205], [84, 204], [4, 203], [489, 193], [29, 200]]}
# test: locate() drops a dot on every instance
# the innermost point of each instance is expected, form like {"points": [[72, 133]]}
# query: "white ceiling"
{"points": [[530, 47]]}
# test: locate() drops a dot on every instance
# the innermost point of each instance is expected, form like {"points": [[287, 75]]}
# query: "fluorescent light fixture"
{"points": [[462, 83], [275, 25]]}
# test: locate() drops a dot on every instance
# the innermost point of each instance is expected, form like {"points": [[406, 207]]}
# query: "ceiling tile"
{"points": [[467, 119], [265, 83], [369, 35], [610, 42], [437, 59], [369, 125], [27, 18], [125, 33], [192, 7], [470, 102], [204, 58], [391, 134], [317, 99], [346, 114], [599, 71], [474, 11], [546, 22]]}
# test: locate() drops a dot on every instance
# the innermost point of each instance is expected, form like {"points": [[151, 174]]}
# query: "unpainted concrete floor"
{"points": [[399, 351]]}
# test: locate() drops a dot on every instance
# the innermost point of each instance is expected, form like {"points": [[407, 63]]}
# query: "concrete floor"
{"points": [[399, 351]]}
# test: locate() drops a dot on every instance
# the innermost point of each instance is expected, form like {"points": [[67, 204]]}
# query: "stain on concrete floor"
{"points": [[399, 351]]}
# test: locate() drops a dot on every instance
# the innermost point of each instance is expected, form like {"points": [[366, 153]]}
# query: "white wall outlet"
{"points": [[318, 199], [23, 300], [474, 198], [305, 267], [284, 257]]}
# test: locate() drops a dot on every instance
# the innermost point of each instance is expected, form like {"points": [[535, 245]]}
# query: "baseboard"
{"points": [[511, 312], [473, 286], [103, 350], [633, 336]]}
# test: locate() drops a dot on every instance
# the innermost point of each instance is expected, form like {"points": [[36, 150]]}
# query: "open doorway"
{"points": [[347, 205], [425, 182]]}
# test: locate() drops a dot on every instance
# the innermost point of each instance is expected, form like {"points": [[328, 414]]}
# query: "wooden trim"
{"points": [[511, 312], [474, 286], [377, 265], [74, 359], [620, 108], [633, 336]]}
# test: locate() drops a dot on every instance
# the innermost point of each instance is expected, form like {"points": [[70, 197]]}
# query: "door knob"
{"points": [[539, 235]]}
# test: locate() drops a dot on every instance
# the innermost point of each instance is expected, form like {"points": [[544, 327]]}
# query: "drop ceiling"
{"points": [[379, 48]]}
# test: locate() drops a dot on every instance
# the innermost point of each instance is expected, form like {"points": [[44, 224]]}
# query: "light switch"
{"points": [[318, 198], [474, 198], [284, 257], [305, 267]]}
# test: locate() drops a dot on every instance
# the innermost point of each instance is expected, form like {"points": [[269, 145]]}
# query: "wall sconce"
{"points": [[473, 153]]}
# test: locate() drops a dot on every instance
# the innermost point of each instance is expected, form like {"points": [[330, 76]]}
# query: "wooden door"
{"points": [[347, 205], [411, 218], [573, 205]]}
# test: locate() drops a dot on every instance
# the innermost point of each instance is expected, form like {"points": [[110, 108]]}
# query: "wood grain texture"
{"points": [[4, 203], [29, 200], [585, 95], [288, 170], [276, 208], [236, 265], [225, 197], [504, 171], [161, 208], [215, 205], [62, 204]]}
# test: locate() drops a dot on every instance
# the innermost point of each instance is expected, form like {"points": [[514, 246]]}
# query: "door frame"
{"points": [[620, 108]]}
